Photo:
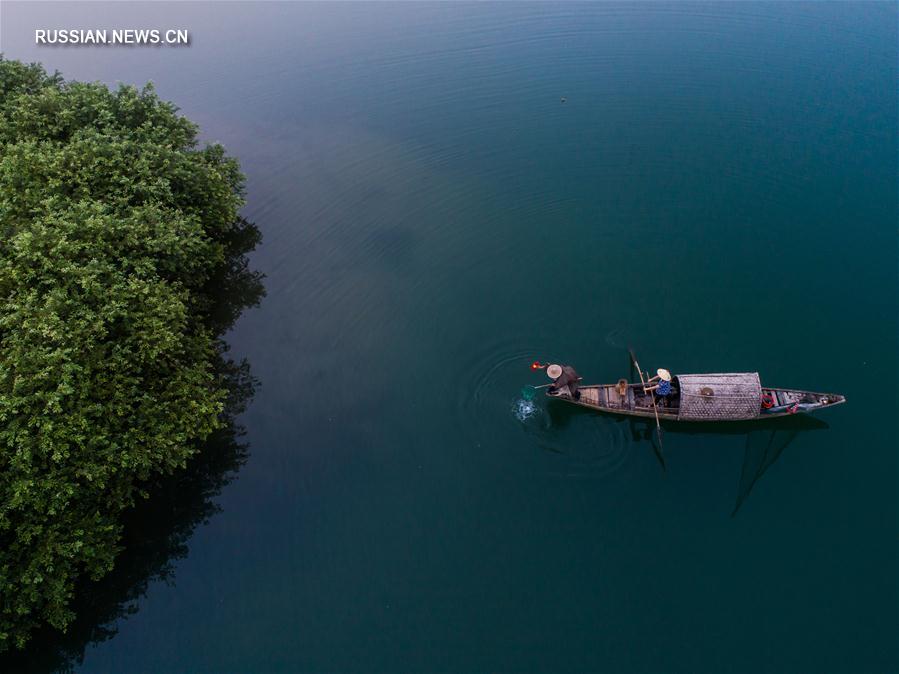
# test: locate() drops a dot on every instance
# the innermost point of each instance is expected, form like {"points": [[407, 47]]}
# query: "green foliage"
{"points": [[117, 232]]}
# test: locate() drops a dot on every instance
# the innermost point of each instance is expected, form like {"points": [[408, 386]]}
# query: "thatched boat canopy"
{"points": [[734, 395]]}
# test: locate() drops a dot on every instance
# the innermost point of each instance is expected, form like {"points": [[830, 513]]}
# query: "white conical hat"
{"points": [[663, 374], [554, 371]]}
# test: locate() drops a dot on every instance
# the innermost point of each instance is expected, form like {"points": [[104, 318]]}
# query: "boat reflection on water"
{"points": [[766, 439], [765, 442]]}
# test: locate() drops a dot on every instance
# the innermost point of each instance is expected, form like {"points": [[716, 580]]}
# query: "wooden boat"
{"points": [[701, 397]]}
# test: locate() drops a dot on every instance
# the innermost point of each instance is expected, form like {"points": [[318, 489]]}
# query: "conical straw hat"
{"points": [[554, 371], [663, 374]]}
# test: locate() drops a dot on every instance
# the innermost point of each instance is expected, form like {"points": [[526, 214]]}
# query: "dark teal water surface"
{"points": [[718, 190]]}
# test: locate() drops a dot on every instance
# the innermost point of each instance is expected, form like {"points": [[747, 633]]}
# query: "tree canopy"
{"points": [[119, 236]]}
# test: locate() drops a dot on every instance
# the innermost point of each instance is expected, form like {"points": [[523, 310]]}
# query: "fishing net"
{"points": [[762, 449], [524, 408]]}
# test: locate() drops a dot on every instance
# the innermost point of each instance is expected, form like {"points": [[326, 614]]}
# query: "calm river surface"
{"points": [[717, 189]]}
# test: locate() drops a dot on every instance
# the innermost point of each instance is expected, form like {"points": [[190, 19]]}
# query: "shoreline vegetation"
{"points": [[123, 261]]}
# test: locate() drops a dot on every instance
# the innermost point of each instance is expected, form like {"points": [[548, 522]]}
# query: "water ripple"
{"points": [[494, 395]]}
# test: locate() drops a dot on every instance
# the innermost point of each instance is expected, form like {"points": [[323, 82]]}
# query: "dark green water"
{"points": [[718, 190]]}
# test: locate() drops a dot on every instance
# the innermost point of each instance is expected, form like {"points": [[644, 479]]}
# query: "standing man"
{"points": [[663, 389]]}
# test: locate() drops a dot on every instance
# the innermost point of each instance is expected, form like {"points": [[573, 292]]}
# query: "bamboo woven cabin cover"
{"points": [[706, 397]]}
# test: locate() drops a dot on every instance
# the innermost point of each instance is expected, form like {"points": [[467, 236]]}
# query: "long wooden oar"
{"points": [[654, 408]]}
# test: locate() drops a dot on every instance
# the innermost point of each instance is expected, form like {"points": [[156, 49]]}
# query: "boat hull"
{"points": [[633, 402]]}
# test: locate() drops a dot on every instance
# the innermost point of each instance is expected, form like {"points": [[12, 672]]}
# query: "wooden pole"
{"points": [[655, 409]]}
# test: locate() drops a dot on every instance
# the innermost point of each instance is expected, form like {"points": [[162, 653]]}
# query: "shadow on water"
{"points": [[766, 439], [157, 529], [155, 536]]}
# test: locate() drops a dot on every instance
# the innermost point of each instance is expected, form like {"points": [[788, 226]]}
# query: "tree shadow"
{"points": [[156, 532], [157, 529]]}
